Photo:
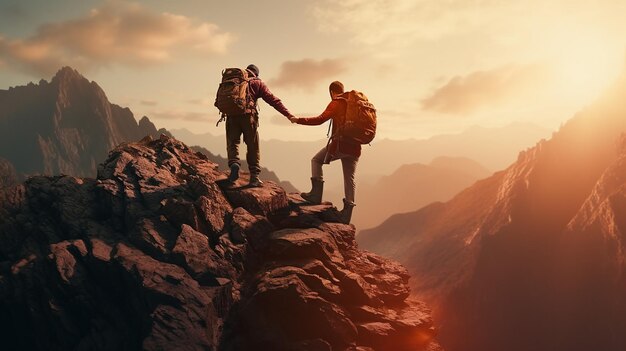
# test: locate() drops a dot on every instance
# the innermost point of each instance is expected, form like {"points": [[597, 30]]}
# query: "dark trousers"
{"points": [[246, 125]]}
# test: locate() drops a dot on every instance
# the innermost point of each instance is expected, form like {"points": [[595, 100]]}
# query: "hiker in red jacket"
{"points": [[338, 148], [247, 125]]}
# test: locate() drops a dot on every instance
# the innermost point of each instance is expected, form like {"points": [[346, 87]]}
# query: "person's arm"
{"points": [[272, 100], [329, 112]]}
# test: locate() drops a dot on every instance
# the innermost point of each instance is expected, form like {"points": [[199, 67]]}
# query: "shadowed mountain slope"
{"points": [[65, 126], [531, 257], [414, 186]]}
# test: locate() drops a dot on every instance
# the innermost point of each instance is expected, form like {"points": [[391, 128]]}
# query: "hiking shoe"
{"points": [[234, 173], [255, 181]]}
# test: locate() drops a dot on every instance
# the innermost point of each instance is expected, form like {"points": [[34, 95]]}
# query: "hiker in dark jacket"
{"points": [[247, 125], [338, 148]]}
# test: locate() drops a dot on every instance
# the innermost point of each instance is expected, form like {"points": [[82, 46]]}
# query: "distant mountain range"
{"points": [[494, 148], [67, 126], [531, 258], [414, 186]]}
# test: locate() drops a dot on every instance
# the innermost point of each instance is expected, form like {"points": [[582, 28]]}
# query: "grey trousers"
{"points": [[348, 163]]}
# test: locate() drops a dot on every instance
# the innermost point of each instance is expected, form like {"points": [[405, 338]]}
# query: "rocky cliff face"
{"points": [[65, 126], [530, 258], [154, 254]]}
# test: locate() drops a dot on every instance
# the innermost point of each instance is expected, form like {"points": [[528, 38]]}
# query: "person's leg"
{"points": [[317, 178], [316, 164], [233, 138], [348, 164], [253, 154]]}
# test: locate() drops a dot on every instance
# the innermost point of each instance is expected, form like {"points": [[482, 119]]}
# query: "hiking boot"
{"points": [[234, 173], [345, 215], [255, 182], [315, 195]]}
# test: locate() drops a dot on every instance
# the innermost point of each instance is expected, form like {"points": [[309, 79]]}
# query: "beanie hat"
{"points": [[254, 69]]}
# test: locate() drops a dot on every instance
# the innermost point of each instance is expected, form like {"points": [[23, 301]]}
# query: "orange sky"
{"points": [[430, 67]]}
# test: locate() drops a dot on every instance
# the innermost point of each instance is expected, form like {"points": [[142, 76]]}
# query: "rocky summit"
{"points": [[157, 253]]}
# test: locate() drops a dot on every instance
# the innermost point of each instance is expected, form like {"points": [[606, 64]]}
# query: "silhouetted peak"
{"points": [[146, 127], [70, 84], [67, 73], [145, 121]]}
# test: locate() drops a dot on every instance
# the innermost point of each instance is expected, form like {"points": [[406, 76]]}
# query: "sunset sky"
{"points": [[429, 66]]}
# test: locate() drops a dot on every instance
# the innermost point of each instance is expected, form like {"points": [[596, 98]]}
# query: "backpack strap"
{"points": [[330, 125], [340, 97], [253, 105]]}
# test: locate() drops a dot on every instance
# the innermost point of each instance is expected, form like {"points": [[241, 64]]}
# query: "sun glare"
{"points": [[586, 62]]}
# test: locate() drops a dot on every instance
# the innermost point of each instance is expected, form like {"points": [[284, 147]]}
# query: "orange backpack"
{"points": [[360, 121]]}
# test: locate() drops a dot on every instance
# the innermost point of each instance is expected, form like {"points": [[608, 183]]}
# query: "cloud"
{"points": [[391, 26], [306, 74], [201, 101], [115, 33], [400, 21], [467, 94], [194, 101], [148, 102]]}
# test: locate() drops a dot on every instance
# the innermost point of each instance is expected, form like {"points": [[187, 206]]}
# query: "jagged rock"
{"points": [[63, 254], [178, 308], [151, 255], [264, 200], [305, 214], [201, 261], [247, 227], [303, 243]]}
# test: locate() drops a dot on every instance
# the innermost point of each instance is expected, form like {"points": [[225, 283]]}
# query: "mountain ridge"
{"points": [[65, 126], [413, 186], [497, 249]]}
